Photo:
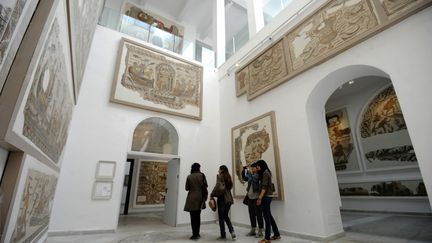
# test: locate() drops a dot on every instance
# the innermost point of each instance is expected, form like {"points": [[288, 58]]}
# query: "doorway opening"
{"points": [[150, 191], [371, 154]]}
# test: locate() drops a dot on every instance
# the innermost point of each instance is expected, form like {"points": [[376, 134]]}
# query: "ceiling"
{"points": [[359, 85]]}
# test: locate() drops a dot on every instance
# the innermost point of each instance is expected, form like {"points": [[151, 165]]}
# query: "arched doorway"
{"points": [[338, 142], [152, 168]]}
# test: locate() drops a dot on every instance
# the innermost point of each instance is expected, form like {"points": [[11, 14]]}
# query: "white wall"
{"points": [[102, 130], [312, 199]]}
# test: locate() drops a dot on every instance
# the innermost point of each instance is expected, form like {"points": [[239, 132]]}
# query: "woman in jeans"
{"points": [[224, 201], [265, 199], [250, 176]]}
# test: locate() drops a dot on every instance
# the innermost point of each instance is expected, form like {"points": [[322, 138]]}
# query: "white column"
{"points": [[189, 38], [255, 16], [219, 31]]}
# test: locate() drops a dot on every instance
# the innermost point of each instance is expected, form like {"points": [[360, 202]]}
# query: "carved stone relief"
{"points": [[269, 67], [49, 106], [332, 28]]}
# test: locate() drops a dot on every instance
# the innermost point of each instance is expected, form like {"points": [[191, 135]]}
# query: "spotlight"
{"points": [[351, 82]]}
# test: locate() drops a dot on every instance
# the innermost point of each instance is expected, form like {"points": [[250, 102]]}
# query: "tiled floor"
{"points": [[149, 228]]}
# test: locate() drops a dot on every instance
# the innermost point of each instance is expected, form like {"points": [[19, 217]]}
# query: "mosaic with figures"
{"points": [[333, 28], [35, 206], [152, 80]]}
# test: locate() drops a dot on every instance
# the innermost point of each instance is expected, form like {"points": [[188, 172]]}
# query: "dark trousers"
{"points": [[255, 214], [223, 210], [268, 218], [195, 222]]}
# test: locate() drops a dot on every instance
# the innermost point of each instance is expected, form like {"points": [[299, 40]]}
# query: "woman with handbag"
{"points": [[196, 184], [222, 191], [265, 199]]}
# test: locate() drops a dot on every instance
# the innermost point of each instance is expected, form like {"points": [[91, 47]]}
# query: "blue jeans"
{"points": [[268, 218], [223, 210]]}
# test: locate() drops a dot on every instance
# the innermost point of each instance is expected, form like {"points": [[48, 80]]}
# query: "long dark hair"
{"points": [[263, 167], [195, 168], [226, 176]]}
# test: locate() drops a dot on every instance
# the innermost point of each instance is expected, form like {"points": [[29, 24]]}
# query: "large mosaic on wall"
{"points": [[15, 16], [83, 18], [31, 206], [49, 106], [149, 79], [333, 28], [254, 140], [151, 183], [341, 141], [384, 136]]}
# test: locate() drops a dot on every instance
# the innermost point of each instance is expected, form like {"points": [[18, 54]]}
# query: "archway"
{"points": [[151, 174], [321, 146]]}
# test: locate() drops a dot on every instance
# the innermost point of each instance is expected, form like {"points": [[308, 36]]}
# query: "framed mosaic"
{"points": [[105, 170], [102, 190], [392, 188], [251, 141], [331, 29], [241, 80], [41, 117], [151, 79], [344, 150], [150, 184], [384, 138], [29, 216], [15, 16], [83, 19]]}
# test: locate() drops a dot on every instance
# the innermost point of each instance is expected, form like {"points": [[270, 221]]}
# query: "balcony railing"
{"points": [[114, 20]]}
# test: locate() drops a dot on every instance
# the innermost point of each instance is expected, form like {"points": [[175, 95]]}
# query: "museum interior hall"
{"points": [[106, 106]]}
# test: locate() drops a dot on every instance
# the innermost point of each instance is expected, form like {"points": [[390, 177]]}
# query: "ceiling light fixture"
{"points": [[351, 82]]}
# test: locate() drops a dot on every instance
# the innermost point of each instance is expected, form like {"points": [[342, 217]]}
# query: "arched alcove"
{"points": [[155, 135], [321, 148]]}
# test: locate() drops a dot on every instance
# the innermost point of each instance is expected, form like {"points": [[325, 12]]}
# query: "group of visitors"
{"points": [[258, 198]]}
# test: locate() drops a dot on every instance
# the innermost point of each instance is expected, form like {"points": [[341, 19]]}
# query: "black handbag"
{"points": [[246, 200]]}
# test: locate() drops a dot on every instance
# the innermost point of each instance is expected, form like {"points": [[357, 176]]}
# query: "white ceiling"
{"points": [[359, 85]]}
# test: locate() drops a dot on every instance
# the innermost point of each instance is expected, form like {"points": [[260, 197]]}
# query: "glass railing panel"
{"points": [[161, 38], [112, 19], [134, 28]]}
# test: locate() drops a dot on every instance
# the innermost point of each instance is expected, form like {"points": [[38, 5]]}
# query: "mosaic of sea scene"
{"points": [[48, 110]]}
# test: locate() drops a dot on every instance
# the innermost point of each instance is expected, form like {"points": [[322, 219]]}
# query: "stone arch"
{"points": [[155, 135]]}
